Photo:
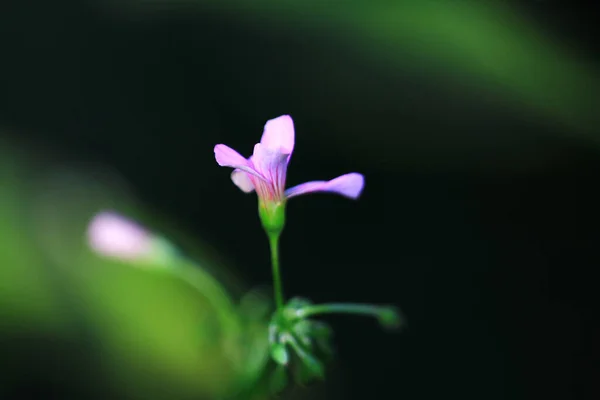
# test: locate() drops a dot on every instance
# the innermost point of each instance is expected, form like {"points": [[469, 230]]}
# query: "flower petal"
{"points": [[349, 185], [242, 180], [272, 165], [227, 157], [278, 135], [268, 162]]}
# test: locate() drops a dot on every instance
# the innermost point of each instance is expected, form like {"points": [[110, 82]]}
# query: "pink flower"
{"points": [[265, 171], [112, 235]]}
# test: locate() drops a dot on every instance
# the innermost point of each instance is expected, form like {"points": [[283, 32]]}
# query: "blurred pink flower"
{"points": [[112, 235], [265, 171]]}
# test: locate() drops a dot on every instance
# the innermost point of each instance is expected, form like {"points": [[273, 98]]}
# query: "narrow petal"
{"points": [[242, 180], [278, 135], [349, 185], [227, 157]]}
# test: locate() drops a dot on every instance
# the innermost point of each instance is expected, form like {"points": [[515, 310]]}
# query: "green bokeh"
{"points": [[164, 331], [489, 45]]}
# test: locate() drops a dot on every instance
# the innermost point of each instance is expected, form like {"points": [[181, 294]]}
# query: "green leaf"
{"points": [[308, 369], [310, 366], [323, 334], [303, 332], [279, 380], [279, 353], [316, 367], [293, 306]]}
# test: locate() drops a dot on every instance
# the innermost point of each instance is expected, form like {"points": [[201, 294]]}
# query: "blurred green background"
{"points": [[476, 125]]}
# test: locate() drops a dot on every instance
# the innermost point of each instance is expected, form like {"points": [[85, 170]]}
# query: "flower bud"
{"points": [[114, 236]]}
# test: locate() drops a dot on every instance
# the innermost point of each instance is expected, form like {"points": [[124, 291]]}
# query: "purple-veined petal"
{"points": [[113, 235], [278, 135], [242, 180], [349, 185], [271, 164], [228, 157]]}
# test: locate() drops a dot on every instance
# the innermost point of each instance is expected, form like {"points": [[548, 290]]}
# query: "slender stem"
{"points": [[209, 287], [342, 308], [277, 286]]}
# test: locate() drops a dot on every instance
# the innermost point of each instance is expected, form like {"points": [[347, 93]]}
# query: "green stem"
{"points": [[209, 287], [277, 286], [343, 308]]}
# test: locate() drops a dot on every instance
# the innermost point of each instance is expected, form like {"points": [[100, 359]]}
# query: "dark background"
{"points": [[479, 218]]}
